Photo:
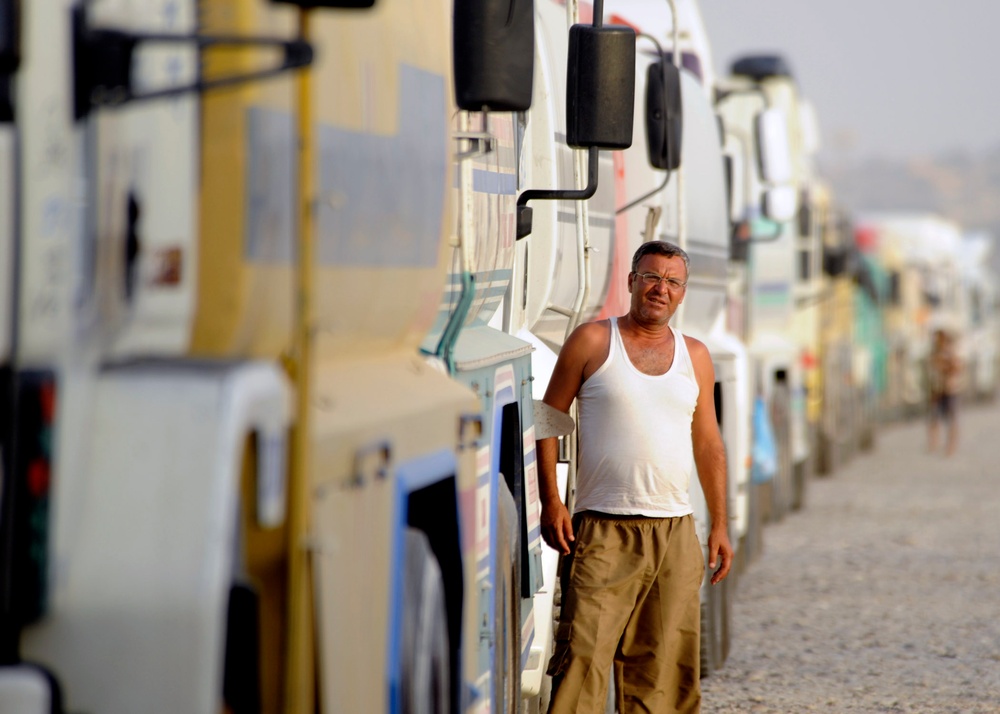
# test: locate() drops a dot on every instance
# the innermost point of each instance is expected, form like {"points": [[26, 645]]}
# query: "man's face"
{"points": [[656, 303]]}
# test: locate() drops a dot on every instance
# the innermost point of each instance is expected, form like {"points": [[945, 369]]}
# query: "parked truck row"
{"points": [[282, 285]]}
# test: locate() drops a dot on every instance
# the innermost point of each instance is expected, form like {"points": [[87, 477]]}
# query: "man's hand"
{"points": [[557, 526], [720, 552]]}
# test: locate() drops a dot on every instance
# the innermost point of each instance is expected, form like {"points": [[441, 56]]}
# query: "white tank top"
{"points": [[636, 455]]}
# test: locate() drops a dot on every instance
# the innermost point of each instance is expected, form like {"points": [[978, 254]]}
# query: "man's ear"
{"points": [[630, 278]]}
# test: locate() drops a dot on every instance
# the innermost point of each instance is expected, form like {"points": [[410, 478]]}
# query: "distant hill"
{"points": [[962, 186]]}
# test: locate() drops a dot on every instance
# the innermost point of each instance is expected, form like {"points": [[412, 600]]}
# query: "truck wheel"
{"points": [[755, 523], [826, 459], [715, 627], [783, 482], [800, 477], [867, 441], [425, 680], [707, 647], [726, 589]]}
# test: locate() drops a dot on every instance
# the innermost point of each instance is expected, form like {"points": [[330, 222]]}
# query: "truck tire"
{"points": [[725, 619], [707, 654], [716, 615], [425, 681], [866, 439], [783, 482], [829, 421], [754, 538], [825, 447], [800, 477]]}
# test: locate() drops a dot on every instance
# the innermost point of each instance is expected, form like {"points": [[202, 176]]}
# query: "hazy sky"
{"points": [[888, 77]]}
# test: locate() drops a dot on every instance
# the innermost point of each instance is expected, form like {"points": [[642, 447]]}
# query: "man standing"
{"points": [[634, 565], [944, 377]]}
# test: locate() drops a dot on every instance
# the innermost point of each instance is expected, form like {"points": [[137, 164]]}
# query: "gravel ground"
{"points": [[883, 594]]}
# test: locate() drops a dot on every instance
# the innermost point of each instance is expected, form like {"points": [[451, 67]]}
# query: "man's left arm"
{"points": [[710, 459]]}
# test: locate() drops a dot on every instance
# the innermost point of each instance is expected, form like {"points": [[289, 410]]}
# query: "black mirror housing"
{"points": [[10, 36], [834, 261], [664, 127], [343, 4], [600, 87], [6, 100], [493, 56]]}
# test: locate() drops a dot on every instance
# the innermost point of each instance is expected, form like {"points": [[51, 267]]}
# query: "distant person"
{"points": [[634, 565], [945, 373]]}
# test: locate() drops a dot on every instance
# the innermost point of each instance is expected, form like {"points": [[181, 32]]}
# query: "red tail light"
{"points": [[27, 440]]}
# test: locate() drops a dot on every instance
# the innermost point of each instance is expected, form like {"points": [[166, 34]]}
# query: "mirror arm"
{"points": [[675, 34], [524, 211], [768, 239], [102, 63], [632, 204]]}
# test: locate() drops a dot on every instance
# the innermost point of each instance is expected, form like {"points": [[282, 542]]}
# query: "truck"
{"points": [[840, 349], [566, 244], [982, 327], [490, 355], [755, 149], [233, 478], [576, 259], [572, 259], [778, 244], [920, 252]]}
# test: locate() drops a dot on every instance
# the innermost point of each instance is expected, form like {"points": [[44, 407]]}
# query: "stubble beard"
{"points": [[643, 315]]}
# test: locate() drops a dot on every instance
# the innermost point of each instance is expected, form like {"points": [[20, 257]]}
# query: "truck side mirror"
{"points": [[10, 36], [775, 162], [10, 54], [600, 87], [774, 147], [834, 261], [344, 4], [494, 54], [780, 203], [663, 115]]}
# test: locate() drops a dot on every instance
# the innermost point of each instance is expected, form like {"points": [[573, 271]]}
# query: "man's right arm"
{"points": [[556, 524], [567, 378]]}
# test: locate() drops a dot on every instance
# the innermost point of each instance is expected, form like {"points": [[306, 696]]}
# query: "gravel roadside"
{"points": [[883, 594]]}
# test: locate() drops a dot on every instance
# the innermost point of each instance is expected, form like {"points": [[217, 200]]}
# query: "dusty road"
{"points": [[883, 595]]}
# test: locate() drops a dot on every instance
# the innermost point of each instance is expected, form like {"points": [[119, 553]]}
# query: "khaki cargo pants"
{"points": [[630, 599]]}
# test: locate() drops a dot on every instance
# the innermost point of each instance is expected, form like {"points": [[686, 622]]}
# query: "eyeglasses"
{"points": [[654, 279]]}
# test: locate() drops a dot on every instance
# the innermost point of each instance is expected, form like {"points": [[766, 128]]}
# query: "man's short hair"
{"points": [[660, 247]]}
